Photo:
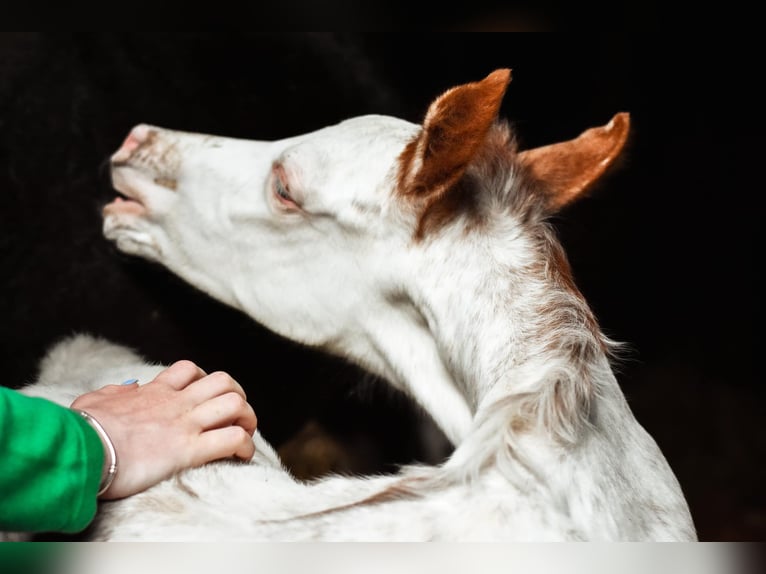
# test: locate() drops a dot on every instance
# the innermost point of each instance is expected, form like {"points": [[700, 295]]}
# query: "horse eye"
{"points": [[281, 190]]}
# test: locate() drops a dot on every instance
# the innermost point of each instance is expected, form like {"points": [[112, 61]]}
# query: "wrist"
{"points": [[110, 466]]}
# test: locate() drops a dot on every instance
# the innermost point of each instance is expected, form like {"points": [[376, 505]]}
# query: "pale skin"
{"points": [[181, 419]]}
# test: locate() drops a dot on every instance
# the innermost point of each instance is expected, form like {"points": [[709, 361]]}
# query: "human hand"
{"points": [[183, 418]]}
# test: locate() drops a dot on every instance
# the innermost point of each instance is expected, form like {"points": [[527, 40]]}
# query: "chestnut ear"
{"points": [[454, 129], [569, 168]]}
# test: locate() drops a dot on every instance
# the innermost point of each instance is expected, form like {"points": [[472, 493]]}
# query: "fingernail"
{"points": [[129, 382]]}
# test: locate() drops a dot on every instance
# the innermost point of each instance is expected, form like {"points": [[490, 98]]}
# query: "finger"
{"points": [[213, 385], [223, 443], [225, 410], [179, 375]]}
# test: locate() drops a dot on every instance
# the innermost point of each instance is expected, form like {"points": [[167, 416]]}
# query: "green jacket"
{"points": [[50, 466]]}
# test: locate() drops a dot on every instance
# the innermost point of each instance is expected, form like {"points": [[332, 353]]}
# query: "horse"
{"points": [[425, 254]]}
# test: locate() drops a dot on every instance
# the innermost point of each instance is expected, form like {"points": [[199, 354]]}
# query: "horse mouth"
{"points": [[124, 204], [128, 200]]}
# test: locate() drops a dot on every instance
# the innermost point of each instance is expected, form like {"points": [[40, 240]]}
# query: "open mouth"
{"points": [[124, 203], [127, 200]]}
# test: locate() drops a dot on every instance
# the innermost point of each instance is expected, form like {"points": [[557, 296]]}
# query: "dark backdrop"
{"points": [[663, 249]]}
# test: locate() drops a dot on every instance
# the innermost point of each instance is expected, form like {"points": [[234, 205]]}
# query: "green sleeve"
{"points": [[50, 466]]}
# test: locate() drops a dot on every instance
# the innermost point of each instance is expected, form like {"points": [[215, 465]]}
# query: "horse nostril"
{"points": [[138, 136]]}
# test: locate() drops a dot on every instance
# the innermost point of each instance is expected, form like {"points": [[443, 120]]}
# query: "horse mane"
{"points": [[569, 362]]}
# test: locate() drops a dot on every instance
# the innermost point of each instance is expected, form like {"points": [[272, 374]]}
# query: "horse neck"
{"points": [[512, 329], [519, 343]]}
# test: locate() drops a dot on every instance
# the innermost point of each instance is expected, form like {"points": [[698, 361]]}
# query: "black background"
{"points": [[663, 249]]}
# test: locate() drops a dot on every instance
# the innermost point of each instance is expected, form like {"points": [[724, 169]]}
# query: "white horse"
{"points": [[423, 254]]}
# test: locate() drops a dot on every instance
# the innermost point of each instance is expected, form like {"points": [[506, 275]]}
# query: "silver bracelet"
{"points": [[111, 471]]}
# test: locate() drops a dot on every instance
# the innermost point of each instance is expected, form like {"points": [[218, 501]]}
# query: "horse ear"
{"points": [[569, 168], [454, 129]]}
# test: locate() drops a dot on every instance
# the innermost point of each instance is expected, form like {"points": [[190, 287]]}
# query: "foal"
{"points": [[422, 253]]}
